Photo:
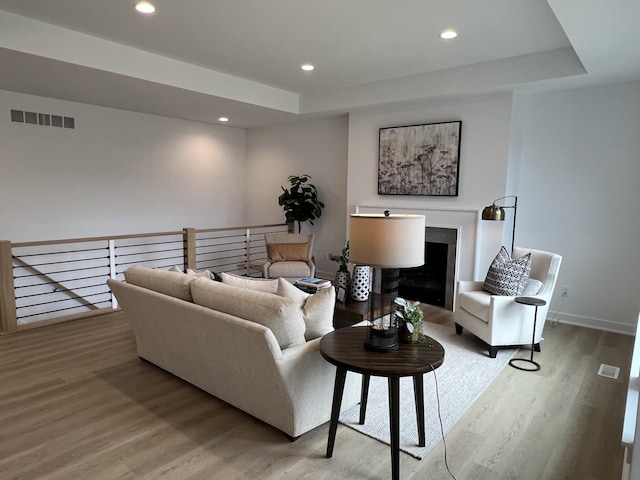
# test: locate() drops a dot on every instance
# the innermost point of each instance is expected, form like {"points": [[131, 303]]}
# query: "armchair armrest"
{"points": [[265, 269], [469, 285], [312, 268]]}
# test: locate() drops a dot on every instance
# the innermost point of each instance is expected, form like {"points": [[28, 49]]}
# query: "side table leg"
{"points": [[341, 375], [533, 335], [364, 395], [394, 425], [418, 392]]}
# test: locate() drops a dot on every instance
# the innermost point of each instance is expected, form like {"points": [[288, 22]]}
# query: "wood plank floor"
{"points": [[77, 403]]}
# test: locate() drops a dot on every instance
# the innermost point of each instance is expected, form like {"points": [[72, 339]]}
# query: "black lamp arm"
{"points": [[515, 199]]}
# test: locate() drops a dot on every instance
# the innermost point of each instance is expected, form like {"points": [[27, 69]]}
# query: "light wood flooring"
{"points": [[77, 403]]}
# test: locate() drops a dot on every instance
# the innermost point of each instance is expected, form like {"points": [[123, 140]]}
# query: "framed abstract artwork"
{"points": [[420, 159]]}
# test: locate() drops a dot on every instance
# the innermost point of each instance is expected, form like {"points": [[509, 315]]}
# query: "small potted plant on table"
{"points": [[343, 278], [409, 316]]}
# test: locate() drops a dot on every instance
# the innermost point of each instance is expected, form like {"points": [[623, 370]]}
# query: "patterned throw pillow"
{"points": [[506, 275]]}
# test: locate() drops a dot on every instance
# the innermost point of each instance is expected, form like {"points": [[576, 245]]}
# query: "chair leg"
{"points": [[493, 351], [536, 347], [459, 329]]}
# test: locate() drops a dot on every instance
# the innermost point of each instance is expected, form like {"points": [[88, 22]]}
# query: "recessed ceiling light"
{"points": [[448, 34], [223, 119], [145, 7], [307, 67]]}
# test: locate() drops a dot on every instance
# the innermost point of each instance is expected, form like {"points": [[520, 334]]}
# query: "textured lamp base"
{"points": [[382, 340]]}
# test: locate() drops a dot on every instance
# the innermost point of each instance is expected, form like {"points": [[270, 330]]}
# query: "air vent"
{"points": [[608, 371], [45, 119]]}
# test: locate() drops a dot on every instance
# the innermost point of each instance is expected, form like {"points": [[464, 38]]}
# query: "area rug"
{"points": [[466, 372]]}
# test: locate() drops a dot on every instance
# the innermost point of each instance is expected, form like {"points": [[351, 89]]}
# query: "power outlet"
{"points": [[565, 290]]}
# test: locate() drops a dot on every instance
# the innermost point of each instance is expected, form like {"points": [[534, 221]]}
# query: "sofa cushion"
{"points": [[293, 252], [260, 284], [281, 315], [289, 270], [506, 275], [317, 309], [174, 284]]}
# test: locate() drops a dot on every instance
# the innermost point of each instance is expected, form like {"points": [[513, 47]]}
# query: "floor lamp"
{"points": [[386, 241], [495, 212]]}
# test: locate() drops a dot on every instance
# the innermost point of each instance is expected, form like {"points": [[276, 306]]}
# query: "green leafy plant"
{"points": [[342, 259], [410, 316], [300, 201]]}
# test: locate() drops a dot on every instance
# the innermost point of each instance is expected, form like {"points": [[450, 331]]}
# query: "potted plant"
{"points": [[343, 279], [409, 316], [300, 201]]}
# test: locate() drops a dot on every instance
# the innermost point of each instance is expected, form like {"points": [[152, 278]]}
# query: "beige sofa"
{"points": [[242, 345]]}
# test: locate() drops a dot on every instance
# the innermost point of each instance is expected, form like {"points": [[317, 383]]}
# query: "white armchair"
{"points": [[289, 255], [499, 320]]}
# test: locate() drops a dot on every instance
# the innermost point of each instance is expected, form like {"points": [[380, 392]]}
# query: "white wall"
{"points": [[577, 169], [483, 167], [573, 159], [117, 172], [317, 148]]}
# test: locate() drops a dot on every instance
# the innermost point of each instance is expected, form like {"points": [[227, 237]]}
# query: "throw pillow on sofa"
{"points": [[317, 309], [506, 275], [281, 315], [260, 284]]}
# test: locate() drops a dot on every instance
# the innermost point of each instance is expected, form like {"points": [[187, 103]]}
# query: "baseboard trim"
{"points": [[595, 323]]}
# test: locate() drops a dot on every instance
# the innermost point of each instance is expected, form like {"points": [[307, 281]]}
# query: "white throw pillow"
{"points": [[201, 273], [269, 285], [317, 309], [531, 288]]}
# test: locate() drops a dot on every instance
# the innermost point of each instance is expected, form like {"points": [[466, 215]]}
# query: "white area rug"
{"points": [[466, 372]]}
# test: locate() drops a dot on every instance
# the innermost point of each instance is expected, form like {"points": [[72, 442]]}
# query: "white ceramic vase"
{"points": [[360, 283]]}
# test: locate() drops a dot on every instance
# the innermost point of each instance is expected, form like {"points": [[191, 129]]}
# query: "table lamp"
{"points": [[386, 241]]}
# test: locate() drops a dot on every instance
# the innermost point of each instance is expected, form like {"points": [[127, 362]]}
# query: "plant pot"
{"points": [[406, 336]]}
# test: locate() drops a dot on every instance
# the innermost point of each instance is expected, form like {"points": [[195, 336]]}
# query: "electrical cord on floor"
{"points": [[555, 320], [444, 442]]}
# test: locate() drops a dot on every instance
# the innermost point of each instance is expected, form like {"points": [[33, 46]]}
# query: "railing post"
{"points": [[247, 253], [8, 317], [113, 269], [189, 240]]}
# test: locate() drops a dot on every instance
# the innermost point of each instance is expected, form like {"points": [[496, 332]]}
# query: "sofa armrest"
{"points": [[309, 379], [297, 350]]}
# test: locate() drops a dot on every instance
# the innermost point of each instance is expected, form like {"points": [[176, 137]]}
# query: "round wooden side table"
{"points": [[529, 364], [344, 348]]}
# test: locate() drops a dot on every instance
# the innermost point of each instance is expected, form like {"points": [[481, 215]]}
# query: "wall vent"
{"points": [[608, 371], [45, 119]]}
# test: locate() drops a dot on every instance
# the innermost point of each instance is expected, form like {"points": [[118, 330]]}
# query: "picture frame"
{"points": [[422, 160], [341, 294]]}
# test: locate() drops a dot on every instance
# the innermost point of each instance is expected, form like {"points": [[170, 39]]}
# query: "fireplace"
{"points": [[434, 282]]}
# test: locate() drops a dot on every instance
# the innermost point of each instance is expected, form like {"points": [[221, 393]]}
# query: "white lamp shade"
{"points": [[394, 241]]}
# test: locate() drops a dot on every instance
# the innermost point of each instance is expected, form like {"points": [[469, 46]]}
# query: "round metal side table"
{"points": [[529, 364]]}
